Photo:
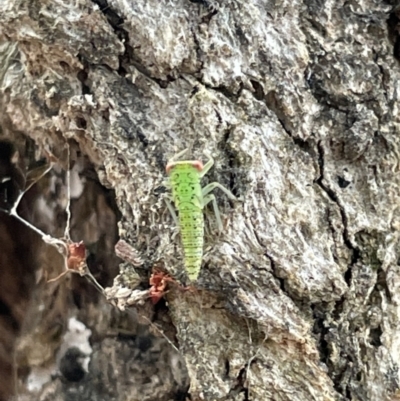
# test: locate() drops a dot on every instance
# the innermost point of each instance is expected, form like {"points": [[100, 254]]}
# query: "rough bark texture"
{"points": [[298, 299]]}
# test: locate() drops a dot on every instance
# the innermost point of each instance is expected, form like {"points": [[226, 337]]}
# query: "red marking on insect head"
{"points": [[169, 167], [198, 165]]}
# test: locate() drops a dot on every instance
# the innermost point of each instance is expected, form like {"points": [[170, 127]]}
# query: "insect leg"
{"points": [[171, 209], [166, 183], [211, 198], [207, 166], [209, 187], [178, 155]]}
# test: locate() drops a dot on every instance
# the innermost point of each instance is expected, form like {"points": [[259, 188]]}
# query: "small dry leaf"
{"points": [[76, 256], [158, 282]]}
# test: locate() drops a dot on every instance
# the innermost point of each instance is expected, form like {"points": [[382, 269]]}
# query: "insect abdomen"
{"points": [[186, 191], [192, 232]]}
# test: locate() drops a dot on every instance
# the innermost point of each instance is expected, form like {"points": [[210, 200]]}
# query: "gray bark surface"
{"points": [[298, 298]]}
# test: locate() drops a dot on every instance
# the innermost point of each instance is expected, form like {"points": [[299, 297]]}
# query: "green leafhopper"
{"points": [[190, 199]]}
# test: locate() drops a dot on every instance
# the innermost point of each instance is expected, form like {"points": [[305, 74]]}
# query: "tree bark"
{"points": [[297, 102]]}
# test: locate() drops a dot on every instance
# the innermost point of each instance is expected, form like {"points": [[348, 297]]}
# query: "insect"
{"points": [[190, 199]]}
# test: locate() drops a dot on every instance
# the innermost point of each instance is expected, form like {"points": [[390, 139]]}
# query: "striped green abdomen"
{"points": [[191, 223], [186, 192]]}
